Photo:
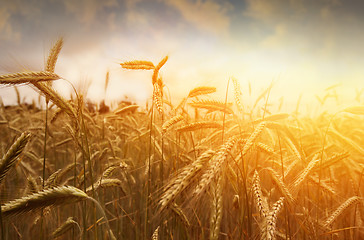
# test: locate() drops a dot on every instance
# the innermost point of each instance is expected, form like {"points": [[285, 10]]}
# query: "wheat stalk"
{"points": [[12, 154]]}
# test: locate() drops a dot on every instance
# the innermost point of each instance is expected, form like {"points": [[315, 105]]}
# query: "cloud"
{"points": [[206, 15], [87, 10], [6, 29]]}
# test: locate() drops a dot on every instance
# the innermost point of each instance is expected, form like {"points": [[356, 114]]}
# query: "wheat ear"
{"points": [[12, 154], [171, 122], [48, 197], [157, 97], [51, 94], [199, 125], [213, 105], [215, 166], [349, 202], [217, 207], [155, 78], [65, 227], [258, 195], [282, 188], [28, 77], [201, 91], [237, 95], [249, 143], [138, 65], [126, 109], [302, 176], [53, 55], [184, 179], [155, 235], [106, 182], [269, 228]]}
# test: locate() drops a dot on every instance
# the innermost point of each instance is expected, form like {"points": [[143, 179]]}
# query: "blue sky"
{"points": [[304, 46]]}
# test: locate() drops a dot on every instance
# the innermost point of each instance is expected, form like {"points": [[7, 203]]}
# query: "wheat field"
{"points": [[203, 168]]}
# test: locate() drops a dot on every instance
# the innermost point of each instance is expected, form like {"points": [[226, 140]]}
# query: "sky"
{"points": [[303, 46]]}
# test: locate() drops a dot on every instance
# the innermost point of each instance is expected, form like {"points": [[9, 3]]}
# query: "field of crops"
{"points": [[204, 168]]}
